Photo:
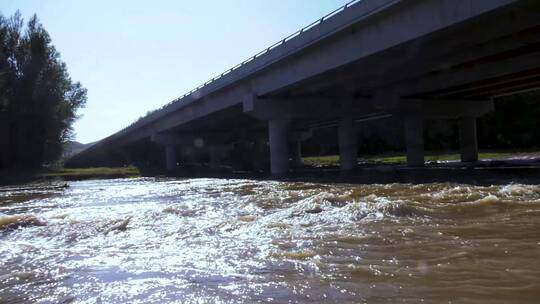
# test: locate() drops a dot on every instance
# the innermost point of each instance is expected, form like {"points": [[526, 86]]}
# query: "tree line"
{"points": [[38, 99]]}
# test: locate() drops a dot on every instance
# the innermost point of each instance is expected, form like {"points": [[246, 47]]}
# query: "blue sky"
{"points": [[135, 56]]}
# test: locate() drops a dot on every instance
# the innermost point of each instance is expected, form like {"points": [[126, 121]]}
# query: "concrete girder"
{"points": [[280, 108], [401, 23], [299, 136], [190, 139], [455, 78], [306, 107], [465, 51], [453, 50], [445, 109], [492, 87], [200, 107]]}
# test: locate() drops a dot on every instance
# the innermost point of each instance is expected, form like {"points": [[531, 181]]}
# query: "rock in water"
{"points": [[21, 220], [122, 226], [316, 209], [247, 218]]}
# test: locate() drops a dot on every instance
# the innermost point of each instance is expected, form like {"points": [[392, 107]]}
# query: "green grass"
{"points": [[19, 176], [327, 160], [86, 173], [333, 160]]}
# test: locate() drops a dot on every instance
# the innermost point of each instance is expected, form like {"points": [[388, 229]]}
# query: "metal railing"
{"points": [[148, 117]]}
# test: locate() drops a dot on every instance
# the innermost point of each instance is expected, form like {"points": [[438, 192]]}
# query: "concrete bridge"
{"points": [[409, 59]]}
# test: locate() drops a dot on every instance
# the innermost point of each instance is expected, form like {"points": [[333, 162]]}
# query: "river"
{"points": [[151, 240]]}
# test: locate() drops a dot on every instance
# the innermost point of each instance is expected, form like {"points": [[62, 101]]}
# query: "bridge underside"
{"points": [[451, 73]]}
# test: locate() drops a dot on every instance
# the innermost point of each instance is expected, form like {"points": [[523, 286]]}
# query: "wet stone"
{"points": [[314, 210]]}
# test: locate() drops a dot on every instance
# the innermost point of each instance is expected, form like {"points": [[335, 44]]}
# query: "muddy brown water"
{"points": [[244, 241]]}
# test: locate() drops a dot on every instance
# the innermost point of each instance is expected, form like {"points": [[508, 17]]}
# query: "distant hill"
{"points": [[74, 147]]}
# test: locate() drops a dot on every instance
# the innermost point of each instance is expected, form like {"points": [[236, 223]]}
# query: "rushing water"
{"points": [[243, 241]]}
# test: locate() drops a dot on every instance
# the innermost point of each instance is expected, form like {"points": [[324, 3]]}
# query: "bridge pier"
{"points": [[414, 140], [296, 153], [259, 159], [467, 139], [466, 111], [295, 142], [279, 146], [348, 158], [215, 154], [279, 111], [170, 157]]}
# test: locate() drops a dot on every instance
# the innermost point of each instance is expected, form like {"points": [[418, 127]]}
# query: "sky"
{"points": [[134, 56]]}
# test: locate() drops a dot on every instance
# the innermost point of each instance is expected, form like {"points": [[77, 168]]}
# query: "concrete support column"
{"points": [[467, 139], [296, 153], [170, 157], [414, 140], [279, 150], [348, 157], [259, 159], [215, 153]]}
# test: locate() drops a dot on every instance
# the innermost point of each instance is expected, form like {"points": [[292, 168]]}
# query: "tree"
{"points": [[38, 99]]}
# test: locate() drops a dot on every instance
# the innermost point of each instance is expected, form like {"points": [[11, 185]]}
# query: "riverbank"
{"points": [[493, 168], [401, 158], [19, 176]]}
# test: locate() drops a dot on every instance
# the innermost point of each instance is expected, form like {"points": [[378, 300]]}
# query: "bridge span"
{"points": [[412, 60]]}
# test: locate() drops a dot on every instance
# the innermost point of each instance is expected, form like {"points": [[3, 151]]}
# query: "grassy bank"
{"points": [[16, 176], [333, 160], [89, 173]]}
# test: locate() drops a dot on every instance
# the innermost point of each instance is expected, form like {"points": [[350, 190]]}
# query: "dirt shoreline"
{"points": [[485, 172], [23, 176]]}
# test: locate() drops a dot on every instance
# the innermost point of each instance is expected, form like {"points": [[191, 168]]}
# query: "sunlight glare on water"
{"points": [[232, 241]]}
